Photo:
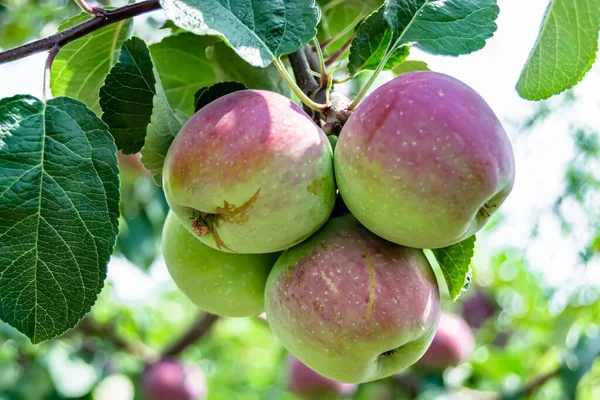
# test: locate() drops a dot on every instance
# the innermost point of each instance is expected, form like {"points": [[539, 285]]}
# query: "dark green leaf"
{"points": [[127, 95], [447, 27], [455, 263], [259, 31], [565, 49], [371, 43], [81, 66], [136, 239], [205, 96], [230, 67], [59, 208], [183, 68]]}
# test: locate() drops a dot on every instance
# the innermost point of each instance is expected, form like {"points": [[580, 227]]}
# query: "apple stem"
{"points": [[297, 91], [47, 93], [371, 81], [89, 9], [322, 67]]}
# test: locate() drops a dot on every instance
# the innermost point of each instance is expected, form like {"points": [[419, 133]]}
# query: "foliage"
{"points": [[67, 204]]}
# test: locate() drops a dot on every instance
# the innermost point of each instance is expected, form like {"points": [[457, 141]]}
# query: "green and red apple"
{"points": [[222, 283], [352, 306], [250, 173], [310, 385], [424, 161]]}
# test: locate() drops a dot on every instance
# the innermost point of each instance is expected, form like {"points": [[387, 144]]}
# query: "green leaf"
{"points": [[338, 17], [231, 67], [81, 66], [446, 27], [258, 30], [183, 68], [371, 43], [455, 263], [136, 239], [207, 95], [127, 95], [565, 49], [577, 364], [410, 66], [134, 98], [164, 126], [59, 210]]}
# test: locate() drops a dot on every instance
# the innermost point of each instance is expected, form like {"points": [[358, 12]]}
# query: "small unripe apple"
{"points": [[222, 283], [171, 379], [452, 344], [424, 161], [352, 306], [250, 173], [311, 385]]}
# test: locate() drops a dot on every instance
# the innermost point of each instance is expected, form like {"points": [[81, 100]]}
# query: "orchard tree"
{"points": [[287, 193]]}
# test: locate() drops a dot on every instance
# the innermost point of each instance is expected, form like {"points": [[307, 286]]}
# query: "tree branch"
{"points": [[68, 35], [196, 331], [89, 327], [306, 81]]}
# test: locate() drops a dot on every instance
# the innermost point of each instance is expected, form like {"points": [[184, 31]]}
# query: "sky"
{"points": [[541, 155]]}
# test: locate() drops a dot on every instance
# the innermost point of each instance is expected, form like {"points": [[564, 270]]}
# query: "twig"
{"points": [[335, 56], [300, 65], [88, 327], [68, 35], [196, 331], [322, 67]]}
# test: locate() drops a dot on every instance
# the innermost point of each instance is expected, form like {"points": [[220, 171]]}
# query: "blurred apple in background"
{"points": [[310, 385], [452, 344], [172, 379]]}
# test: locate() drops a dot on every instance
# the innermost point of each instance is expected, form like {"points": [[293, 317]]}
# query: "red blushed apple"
{"points": [[171, 379], [310, 385], [250, 173], [452, 344], [424, 161], [352, 306]]}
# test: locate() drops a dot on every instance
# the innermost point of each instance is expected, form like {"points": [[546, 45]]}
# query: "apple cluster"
{"points": [[252, 181]]}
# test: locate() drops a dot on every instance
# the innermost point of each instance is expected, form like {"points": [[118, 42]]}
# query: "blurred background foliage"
{"points": [[533, 340]]}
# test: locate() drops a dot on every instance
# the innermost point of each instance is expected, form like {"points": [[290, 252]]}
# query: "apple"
{"points": [[250, 173], [352, 306], [222, 283], [424, 161], [452, 344], [478, 308], [310, 385], [171, 379]]}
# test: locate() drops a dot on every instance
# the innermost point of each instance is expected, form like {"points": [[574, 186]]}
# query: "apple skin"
{"points": [[170, 379], [225, 284], [424, 161], [250, 173], [310, 385], [352, 306], [452, 344]]}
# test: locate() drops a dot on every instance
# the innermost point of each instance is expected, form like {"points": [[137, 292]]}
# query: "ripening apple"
{"points": [[310, 385], [424, 161], [171, 379], [250, 173], [226, 284], [452, 344], [478, 308], [352, 306]]}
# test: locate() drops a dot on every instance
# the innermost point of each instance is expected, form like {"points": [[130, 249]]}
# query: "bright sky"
{"points": [[541, 155]]}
